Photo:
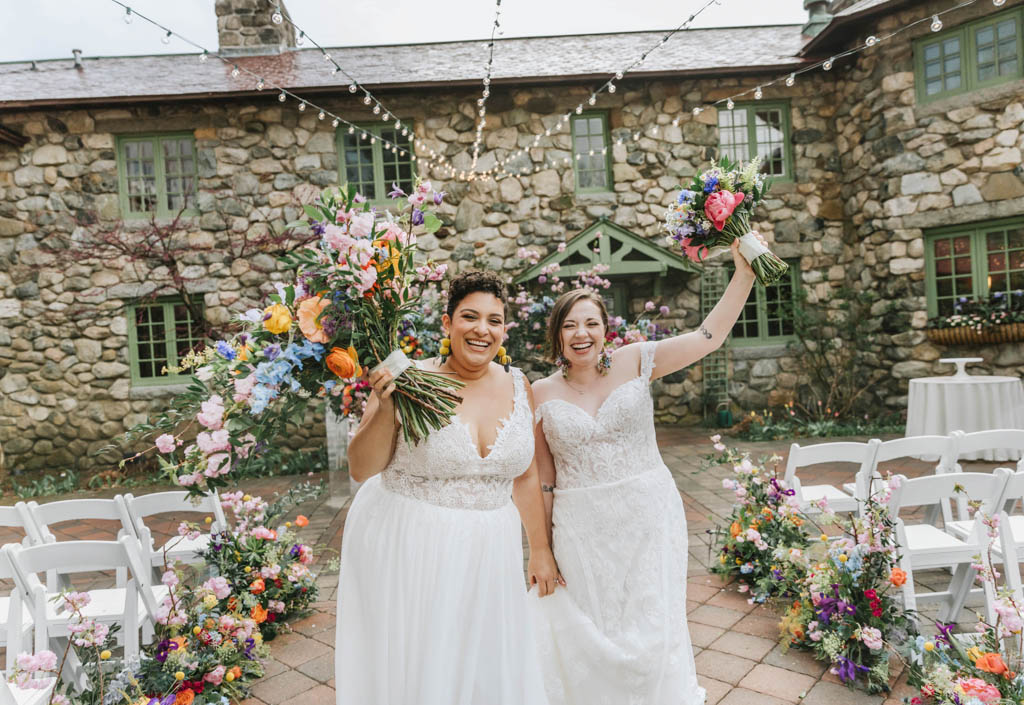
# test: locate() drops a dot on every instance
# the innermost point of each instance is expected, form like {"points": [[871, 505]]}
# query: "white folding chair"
{"points": [[862, 454], [1010, 439], [913, 446], [128, 606], [924, 546], [43, 516], [177, 548], [15, 622], [10, 694]]}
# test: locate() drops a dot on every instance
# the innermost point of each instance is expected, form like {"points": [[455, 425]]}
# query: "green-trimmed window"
{"points": [[767, 316], [375, 159], [973, 262], [758, 129], [974, 55], [156, 174], [592, 162], [160, 334]]}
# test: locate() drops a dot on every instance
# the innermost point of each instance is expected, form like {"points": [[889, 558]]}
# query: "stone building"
{"points": [[897, 171]]}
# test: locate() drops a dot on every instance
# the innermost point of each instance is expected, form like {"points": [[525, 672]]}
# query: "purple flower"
{"points": [[272, 351], [417, 216], [847, 669], [663, 310], [829, 607], [163, 648], [318, 227], [945, 632], [710, 184], [395, 191], [438, 197]]}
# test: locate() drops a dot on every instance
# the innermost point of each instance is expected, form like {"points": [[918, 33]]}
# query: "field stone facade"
{"points": [[872, 171]]}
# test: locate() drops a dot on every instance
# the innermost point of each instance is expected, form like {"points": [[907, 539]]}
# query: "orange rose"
{"points": [[735, 530], [992, 662], [344, 363], [257, 586], [301, 521], [897, 577], [185, 697], [232, 603], [259, 614], [235, 671], [309, 319]]}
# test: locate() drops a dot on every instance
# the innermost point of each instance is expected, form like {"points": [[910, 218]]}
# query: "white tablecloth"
{"points": [[941, 405]]}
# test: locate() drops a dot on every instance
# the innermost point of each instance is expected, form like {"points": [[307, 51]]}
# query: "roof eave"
{"points": [[343, 89], [822, 39]]}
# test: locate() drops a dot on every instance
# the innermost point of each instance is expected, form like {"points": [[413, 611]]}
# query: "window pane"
{"points": [[140, 176], [395, 163], [358, 154], [590, 152], [951, 259], [996, 46], [733, 138], [179, 173], [150, 335], [942, 66], [1005, 259], [188, 333], [770, 135]]}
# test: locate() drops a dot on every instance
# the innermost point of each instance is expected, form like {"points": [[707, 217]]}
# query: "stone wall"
{"points": [[908, 167]]}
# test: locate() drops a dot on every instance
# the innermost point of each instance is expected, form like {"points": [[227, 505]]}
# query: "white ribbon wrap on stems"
{"points": [[751, 248], [396, 363]]}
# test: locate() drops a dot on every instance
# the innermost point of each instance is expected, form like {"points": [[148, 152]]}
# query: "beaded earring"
{"points": [[604, 361], [503, 359], [562, 363], [445, 349]]}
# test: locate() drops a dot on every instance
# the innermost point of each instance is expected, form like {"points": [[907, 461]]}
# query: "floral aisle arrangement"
{"points": [[262, 568], [846, 612], [983, 668], [716, 209], [349, 305], [764, 545]]}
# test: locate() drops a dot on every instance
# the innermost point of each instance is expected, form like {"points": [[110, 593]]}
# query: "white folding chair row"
{"points": [[177, 548], [924, 546], [11, 694], [861, 454], [1002, 439], [130, 606], [15, 621]]}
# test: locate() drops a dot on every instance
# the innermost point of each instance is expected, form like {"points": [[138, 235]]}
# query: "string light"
{"points": [[697, 111], [128, 15], [352, 88], [936, 23], [335, 122], [998, 3], [260, 84], [729, 104], [376, 109], [611, 88], [166, 39], [871, 41], [828, 63], [592, 99], [277, 17], [321, 115], [367, 99], [302, 107], [203, 57], [482, 101], [758, 93], [791, 79], [235, 72], [282, 97], [298, 39]]}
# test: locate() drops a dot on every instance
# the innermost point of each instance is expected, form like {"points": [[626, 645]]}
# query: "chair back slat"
{"points": [[178, 501], [933, 489], [943, 446], [68, 557], [991, 440]]}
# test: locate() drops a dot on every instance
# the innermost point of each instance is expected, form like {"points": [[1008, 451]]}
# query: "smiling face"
{"points": [[582, 333], [476, 328]]}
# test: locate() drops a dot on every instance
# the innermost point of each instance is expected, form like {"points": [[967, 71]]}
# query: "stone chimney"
{"points": [[246, 27], [818, 16]]}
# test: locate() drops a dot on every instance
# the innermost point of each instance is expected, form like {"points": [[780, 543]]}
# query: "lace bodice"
{"points": [[617, 443], [446, 469]]}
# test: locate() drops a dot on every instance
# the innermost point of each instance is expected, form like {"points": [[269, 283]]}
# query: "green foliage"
{"points": [[786, 423], [61, 483]]}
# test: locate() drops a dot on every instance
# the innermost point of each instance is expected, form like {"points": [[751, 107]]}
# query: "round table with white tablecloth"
{"points": [[968, 403]]}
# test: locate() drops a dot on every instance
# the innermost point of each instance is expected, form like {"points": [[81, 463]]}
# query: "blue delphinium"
{"points": [[710, 184], [226, 351], [684, 196]]}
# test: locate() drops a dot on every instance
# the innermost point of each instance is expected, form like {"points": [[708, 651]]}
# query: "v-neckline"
{"points": [[594, 416], [502, 424]]}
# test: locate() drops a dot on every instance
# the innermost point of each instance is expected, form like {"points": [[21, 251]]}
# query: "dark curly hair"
{"points": [[466, 283]]}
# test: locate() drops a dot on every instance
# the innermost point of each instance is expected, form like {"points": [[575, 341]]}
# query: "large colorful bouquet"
{"points": [[264, 569], [764, 546], [846, 612], [716, 209]]}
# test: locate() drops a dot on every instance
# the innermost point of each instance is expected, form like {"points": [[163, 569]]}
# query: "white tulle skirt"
{"points": [[432, 606], [617, 634]]}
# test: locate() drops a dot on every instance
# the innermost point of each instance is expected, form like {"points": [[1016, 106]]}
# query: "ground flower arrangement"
{"points": [[837, 591], [210, 633]]}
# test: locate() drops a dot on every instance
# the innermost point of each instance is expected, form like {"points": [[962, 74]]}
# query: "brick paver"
{"points": [[738, 657]]}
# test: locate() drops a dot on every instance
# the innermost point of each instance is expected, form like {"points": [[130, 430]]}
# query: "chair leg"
{"points": [[959, 588]]}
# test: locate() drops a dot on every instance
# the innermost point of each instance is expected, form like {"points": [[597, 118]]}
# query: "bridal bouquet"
{"points": [[716, 209]]}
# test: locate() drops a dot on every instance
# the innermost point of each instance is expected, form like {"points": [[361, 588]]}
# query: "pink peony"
{"points": [[361, 225], [337, 238], [696, 253], [872, 638], [244, 387], [165, 443], [216, 675], [212, 414], [719, 206], [217, 464], [977, 688], [367, 278], [213, 442], [219, 586], [187, 480]]}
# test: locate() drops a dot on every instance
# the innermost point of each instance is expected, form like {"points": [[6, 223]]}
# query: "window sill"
{"points": [[759, 350], [156, 391], [938, 106]]}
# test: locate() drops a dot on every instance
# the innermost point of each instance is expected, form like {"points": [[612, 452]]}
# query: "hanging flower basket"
{"points": [[965, 335]]}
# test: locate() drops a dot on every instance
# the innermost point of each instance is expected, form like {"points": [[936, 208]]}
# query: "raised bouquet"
{"points": [[716, 209]]}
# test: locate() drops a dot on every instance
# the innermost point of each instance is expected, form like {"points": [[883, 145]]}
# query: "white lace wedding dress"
{"points": [[617, 634], [431, 596]]}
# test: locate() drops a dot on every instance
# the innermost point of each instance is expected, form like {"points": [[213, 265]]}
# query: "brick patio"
{"points": [[738, 657]]}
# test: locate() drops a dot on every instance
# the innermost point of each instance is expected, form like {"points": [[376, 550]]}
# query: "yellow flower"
{"points": [[210, 601], [929, 646], [196, 629], [229, 676], [105, 654], [972, 653], [278, 319], [823, 537], [179, 676], [247, 569], [843, 558], [288, 524], [209, 520], [721, 559]]}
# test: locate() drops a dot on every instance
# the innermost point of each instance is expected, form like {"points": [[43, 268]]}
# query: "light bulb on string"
{"points": [[871, 41], [302, 107], [235, 72], [281, 97], [829, 63], [612, 88], [998, 3], [351, 129], [166, 39], [203, 57], [791, 79], [298, 39], [277, 17], [696, 110], [373, 140], [352, 88], [376, 109], [675, 122], [592, 99], [386, 117], [618, 75], [327, 57], [758, 93], [398, 124], [321, 115], [729, 105], [260, 84], [579, 109], [335, 122], [128, 15], [367, 99], [936, 23], [335, 70]]}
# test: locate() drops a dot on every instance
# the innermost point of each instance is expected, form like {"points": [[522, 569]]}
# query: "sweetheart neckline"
{"points": [[592, 417]]}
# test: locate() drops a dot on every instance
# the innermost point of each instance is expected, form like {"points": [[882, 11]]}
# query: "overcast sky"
{"points": [[46, 29]]}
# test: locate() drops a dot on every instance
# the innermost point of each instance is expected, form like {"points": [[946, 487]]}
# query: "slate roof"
{"points": [[516, 60]]}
